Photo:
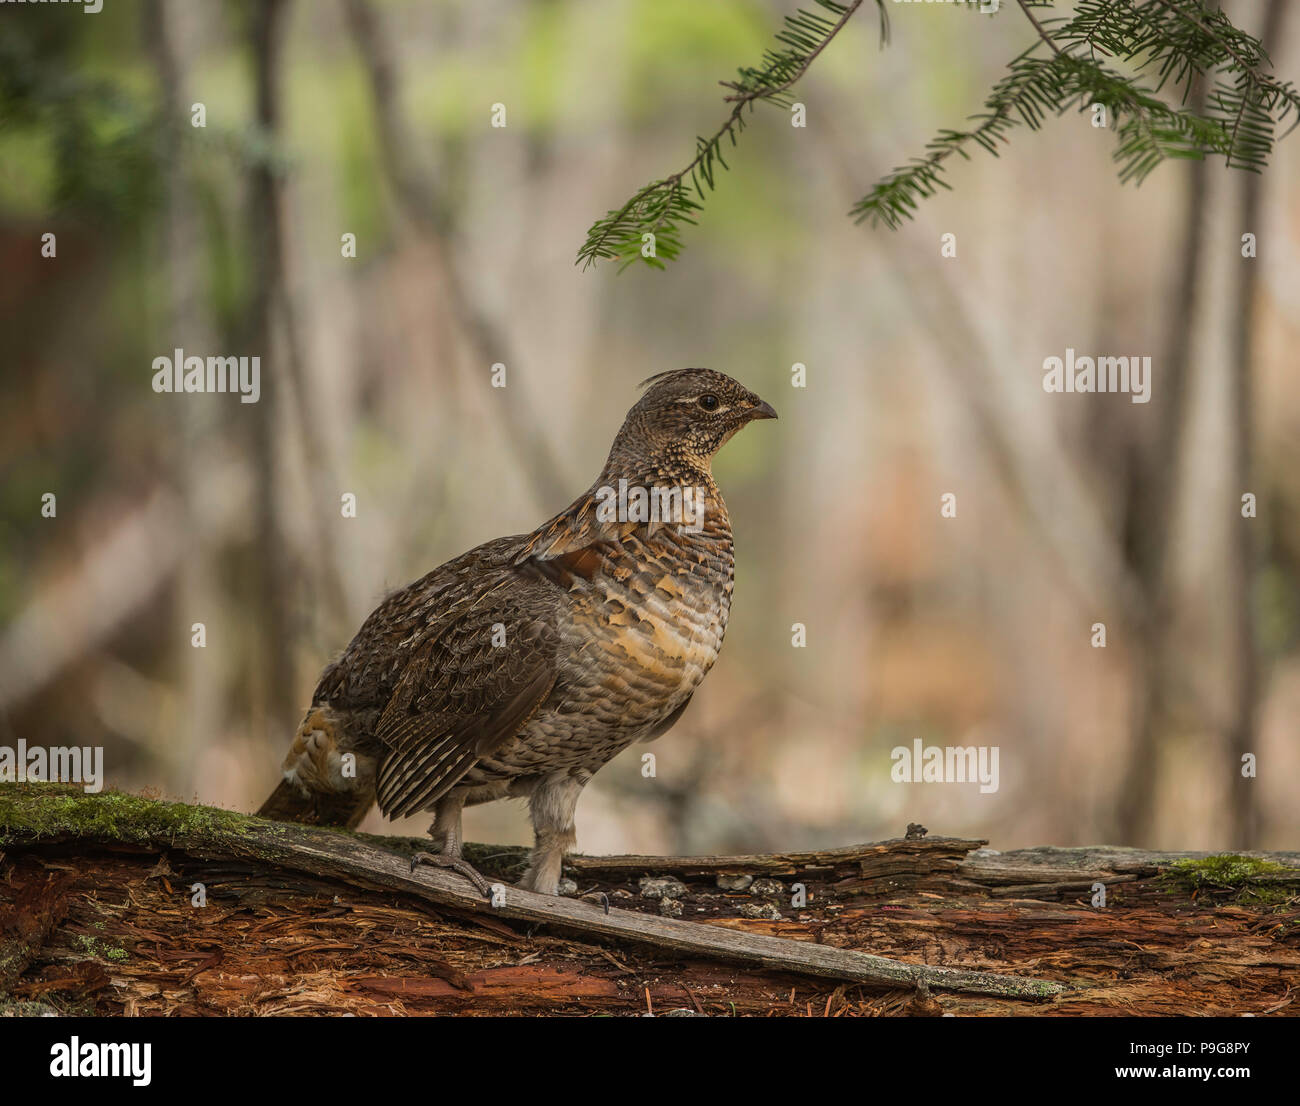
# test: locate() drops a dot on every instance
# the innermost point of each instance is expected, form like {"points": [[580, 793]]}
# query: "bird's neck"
{"points": [[650, 490], [659, 474], [660, 467]]}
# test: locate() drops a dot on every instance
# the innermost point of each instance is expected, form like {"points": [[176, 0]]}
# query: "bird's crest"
{"points": [[660, 376]]}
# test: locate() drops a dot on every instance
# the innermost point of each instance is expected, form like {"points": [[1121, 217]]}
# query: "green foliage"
{"points": [[1177, 42], [91, 143], [675, 41], [663, 206], [1170, 46]]}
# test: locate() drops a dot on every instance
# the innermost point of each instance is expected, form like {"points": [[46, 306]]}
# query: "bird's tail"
{"points": [[317, 789], [288, 804]]}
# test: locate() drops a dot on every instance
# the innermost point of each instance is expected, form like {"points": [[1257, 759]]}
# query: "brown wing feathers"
{"points": [[431, 752], [480, 672]]}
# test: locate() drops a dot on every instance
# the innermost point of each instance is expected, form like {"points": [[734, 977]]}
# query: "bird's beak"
{"points": [[762, 411]]}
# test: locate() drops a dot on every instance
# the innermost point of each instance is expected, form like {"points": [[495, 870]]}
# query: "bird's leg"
{"points": [[446, 831], [551, 806], [446, 834]]}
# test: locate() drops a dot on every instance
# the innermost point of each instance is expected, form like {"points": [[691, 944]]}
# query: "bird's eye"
{"points": [[709, 401]]}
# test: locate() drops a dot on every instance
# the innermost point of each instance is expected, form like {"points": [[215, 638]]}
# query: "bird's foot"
{"points": [[540, 880], [456, 864]]}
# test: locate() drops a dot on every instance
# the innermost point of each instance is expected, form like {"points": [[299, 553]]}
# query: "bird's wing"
{"points": [[444, 687], [471, 677]]}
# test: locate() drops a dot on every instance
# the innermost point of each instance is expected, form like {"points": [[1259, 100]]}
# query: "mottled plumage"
{"points": [[523, 666]]}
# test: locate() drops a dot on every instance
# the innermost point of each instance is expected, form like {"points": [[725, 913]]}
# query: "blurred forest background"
{"points": [[924, 377]]}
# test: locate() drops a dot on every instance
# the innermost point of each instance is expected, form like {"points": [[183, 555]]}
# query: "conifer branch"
{"points": [[1167, 45], [661, 207], [1179, 40]]}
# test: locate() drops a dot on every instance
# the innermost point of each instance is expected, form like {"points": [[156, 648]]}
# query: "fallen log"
{"points": [[89, 915]]}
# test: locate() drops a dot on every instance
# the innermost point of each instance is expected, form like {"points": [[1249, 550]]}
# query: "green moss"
{"points": [[1237, 877], [32, 811], [94, 947]]}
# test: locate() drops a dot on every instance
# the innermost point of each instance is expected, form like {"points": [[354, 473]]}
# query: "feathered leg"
{"points": [[551, 805]]}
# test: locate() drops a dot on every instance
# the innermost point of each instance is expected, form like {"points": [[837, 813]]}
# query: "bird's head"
{"points": [[686, 416]]}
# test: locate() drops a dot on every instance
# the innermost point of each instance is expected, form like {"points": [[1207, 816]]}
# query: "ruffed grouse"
{"points": [[519, 668]]}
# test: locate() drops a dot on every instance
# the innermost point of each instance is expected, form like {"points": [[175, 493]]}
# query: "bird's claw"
{"points": [[456, 864]]}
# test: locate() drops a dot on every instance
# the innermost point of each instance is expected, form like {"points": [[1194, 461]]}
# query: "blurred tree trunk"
{"points": [[1244, 668], [187, 326], [297, 389], [267, 21], [1153, 481]]}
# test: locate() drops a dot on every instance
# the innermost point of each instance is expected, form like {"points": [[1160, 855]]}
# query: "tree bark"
{"points": [[1240, 739]]}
